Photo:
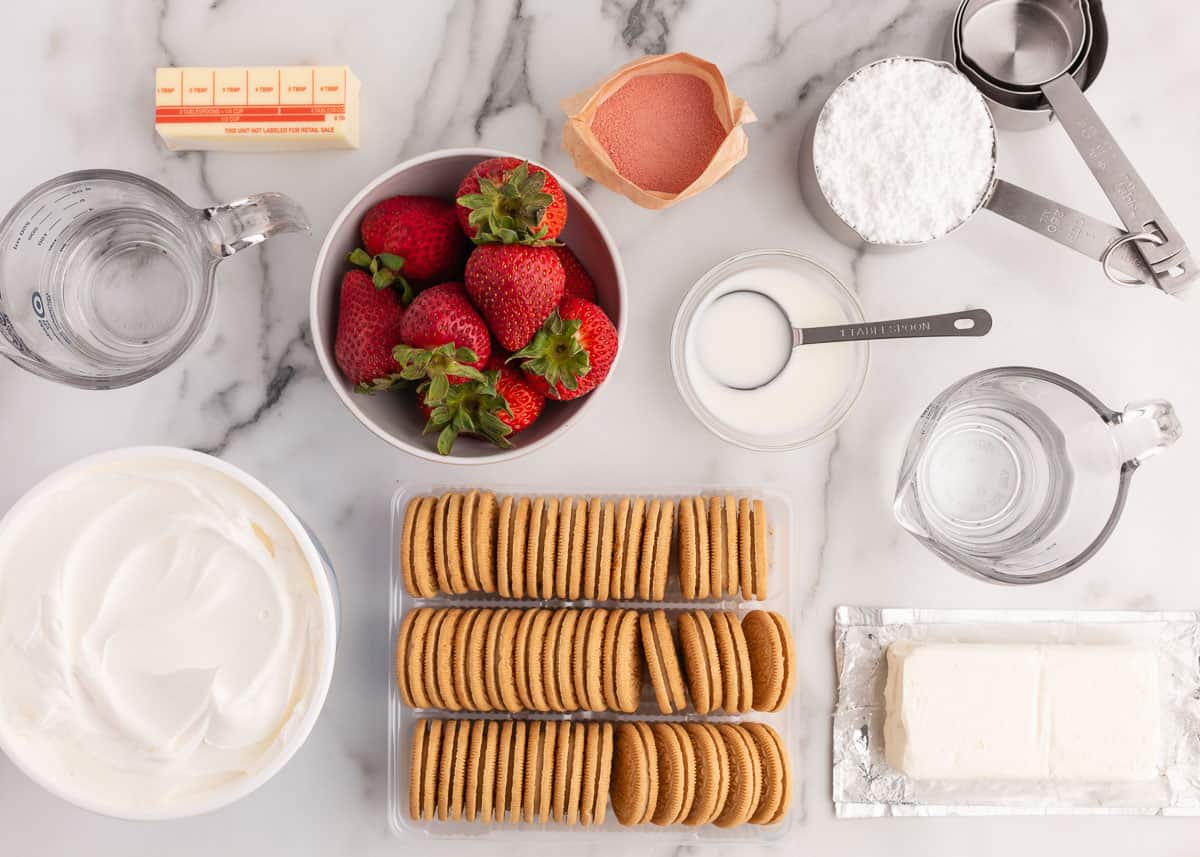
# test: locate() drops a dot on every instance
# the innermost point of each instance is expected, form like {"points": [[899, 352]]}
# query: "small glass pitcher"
{"points": [[1019, 475], [107, 277]]}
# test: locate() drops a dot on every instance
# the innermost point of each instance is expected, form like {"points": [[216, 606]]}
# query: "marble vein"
{"points": [[646, 24], [285, 370], [431, 93], [842, 65], [813, 586], [509, 84]]}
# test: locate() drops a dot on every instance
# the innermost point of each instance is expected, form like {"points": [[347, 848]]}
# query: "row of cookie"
{"points": [[510, 659], [535, 772], [594, 549], [510, 771], [723, 774]]}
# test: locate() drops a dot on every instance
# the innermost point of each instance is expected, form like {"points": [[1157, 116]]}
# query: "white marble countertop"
{"points": [[77, 89]]}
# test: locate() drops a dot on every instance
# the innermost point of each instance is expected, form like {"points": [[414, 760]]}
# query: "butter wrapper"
{"points": [[864, 785], [594, 162]]}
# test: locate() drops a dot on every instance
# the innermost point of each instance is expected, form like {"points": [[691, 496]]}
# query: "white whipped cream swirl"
{"points": [[161, 635]]}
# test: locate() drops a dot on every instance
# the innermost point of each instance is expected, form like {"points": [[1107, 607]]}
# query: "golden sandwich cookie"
{"points": [[662, 662], [645, 574], [689, 555], [674, 777], [772, 658], [703, 555], [466, 525]]}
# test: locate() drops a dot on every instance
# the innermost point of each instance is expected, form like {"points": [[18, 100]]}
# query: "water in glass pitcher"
{"points": [[994, 476]]}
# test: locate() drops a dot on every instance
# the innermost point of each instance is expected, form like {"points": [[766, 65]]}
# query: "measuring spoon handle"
{"points": [[971, 322], [1129, 195], [1066, 226]]}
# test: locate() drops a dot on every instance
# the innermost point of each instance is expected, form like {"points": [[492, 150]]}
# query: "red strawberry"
{"points": [[494, 408], [524, 402], [369, 321], [420, 230], [515, 287], [443, 314], [507, 200], [573, 351], [443, 341], [579, 282]]}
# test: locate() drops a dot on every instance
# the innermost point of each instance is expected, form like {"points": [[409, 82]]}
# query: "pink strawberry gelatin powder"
{"points": [[660, 130]]}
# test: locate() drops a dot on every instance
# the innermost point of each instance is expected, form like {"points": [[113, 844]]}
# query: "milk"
{"points": [[733, 340]]}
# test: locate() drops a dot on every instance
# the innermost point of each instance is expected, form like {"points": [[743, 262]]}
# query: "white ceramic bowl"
{"points": [[395, 417], [327, 592]]}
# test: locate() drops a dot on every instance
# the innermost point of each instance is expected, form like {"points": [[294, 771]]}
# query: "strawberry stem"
{"points": [[556, 354], [510, 212], [433, 368], [469, 408], [385, 271]]}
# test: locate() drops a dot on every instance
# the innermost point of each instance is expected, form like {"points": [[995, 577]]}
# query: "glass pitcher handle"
{"points": [[1145, 429], [252, 220]]}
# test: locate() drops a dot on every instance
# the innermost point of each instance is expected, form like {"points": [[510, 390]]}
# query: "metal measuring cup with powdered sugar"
{"points": [[903, 152]]}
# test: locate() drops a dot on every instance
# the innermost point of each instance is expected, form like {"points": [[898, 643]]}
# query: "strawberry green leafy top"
{"points": [[510, 212]]}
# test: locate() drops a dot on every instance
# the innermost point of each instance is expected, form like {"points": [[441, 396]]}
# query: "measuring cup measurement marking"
{"points": [[35, 228]]}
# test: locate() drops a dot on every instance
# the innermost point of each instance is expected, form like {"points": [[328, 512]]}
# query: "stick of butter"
{"points": [[1066, 713], [266, 109]]}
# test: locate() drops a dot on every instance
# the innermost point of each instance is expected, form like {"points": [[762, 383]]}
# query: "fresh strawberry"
{"points": [[579, 283], [368, 328], [443, 314], [496, 407], [421, 231], [515, 287], [524, 402], [572, 352], [510, 201]]}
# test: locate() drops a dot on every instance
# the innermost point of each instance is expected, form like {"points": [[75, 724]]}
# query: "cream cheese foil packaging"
{"points": [[1167, 726]]}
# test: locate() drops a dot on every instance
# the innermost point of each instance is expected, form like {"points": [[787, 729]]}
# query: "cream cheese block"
{"points": [[1070, 713], [266, 108]]}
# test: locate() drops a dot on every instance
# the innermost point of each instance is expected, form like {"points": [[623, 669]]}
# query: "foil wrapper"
{"points": [[864, 785]]}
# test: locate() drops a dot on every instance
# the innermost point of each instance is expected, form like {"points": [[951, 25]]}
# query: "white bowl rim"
{"points": [[334, 376], [329, 613]]}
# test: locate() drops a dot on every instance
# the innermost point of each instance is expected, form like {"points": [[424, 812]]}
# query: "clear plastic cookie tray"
{"points": [[782, 598]]}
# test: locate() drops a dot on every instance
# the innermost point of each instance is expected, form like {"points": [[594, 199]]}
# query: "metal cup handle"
{"points": [[1073, 229]]}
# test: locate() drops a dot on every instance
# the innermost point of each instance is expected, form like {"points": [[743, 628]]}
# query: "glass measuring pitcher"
{"points": [[107, 277], [1019, 475]]}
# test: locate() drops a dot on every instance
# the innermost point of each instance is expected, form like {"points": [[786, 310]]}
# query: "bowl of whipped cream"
{"points": [[168, 628]]}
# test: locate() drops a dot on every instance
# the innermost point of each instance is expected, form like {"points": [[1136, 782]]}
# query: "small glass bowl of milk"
{"points": [[713, 345]]}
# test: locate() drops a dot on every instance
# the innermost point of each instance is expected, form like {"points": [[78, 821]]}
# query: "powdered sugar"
{"points": [[904, 150]]}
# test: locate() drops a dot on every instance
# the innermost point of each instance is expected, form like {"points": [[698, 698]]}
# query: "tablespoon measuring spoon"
{"points": [[762, 357]]}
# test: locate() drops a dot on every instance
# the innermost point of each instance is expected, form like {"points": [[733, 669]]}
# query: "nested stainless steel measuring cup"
{"points": [[1060, 223], [107, 277], [1019, 475], [1023, 52], [1014, 110]]}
